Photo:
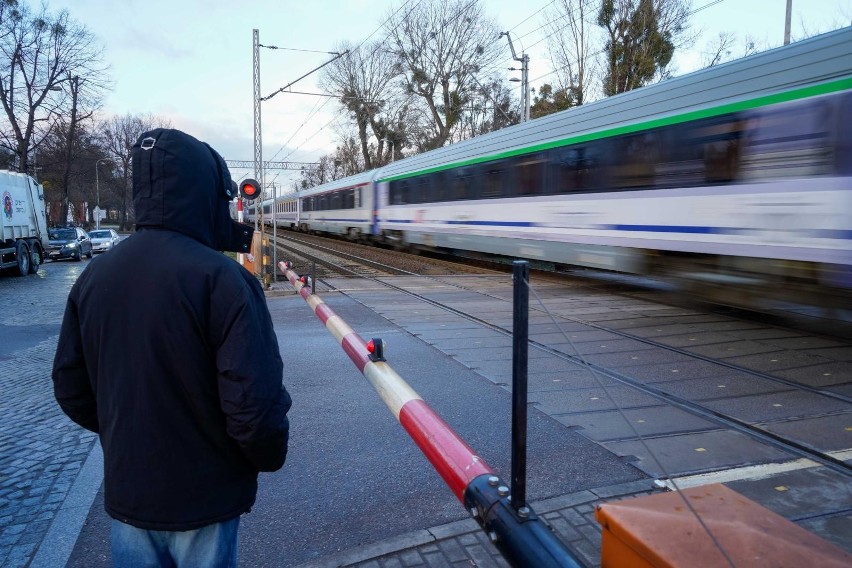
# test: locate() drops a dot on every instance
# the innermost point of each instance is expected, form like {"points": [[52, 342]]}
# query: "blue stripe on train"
{"points": [[841, 234]]}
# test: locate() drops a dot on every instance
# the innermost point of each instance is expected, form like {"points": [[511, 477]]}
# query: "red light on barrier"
{"points": [[376, 348]]}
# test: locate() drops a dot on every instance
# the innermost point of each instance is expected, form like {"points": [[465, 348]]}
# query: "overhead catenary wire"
{"points": [[311, 114]]}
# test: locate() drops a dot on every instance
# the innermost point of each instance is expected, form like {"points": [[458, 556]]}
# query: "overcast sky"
{"points": [[191, 60]]}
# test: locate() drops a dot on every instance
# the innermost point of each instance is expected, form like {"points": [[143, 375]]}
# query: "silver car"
{"points": [[104, 239]]}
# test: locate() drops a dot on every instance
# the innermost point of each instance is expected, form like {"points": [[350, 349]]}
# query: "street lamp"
{"points": [[98, 190]]}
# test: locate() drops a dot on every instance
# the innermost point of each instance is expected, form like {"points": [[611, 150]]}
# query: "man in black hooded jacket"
{"points": [[167, 351]]}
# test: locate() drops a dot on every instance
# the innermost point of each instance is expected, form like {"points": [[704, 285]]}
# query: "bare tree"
{"points": [[572, 47], [723, 48], [363, 81], [119, 133], [41, 54], [491, 109], [345, 161], [443, 46]]}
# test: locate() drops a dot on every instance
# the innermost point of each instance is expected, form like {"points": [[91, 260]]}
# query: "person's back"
{"points": [[167, 351]]}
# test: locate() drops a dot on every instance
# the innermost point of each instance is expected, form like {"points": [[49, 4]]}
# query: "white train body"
{"points": [[737, 174]]}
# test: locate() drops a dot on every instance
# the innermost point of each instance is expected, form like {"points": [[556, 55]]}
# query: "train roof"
{"points": [[768, 77], [351, 181]]}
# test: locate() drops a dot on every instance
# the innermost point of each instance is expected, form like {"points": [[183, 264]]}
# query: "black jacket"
{"points": [[167, 351]]}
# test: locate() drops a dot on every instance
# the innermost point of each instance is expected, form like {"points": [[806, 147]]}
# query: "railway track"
{"points": [[344, 258], [744, 388]]}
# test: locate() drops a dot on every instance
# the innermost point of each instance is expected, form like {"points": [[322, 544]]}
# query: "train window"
{"points": [[789, 140], [399, 192], [464, 184], [356, 197], [494, 179], [530, 174], [421, 189], [634, 160], [441, 186], [706, 151], [576, 168]]}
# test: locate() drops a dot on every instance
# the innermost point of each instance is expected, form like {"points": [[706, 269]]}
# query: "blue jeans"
{"points": [[213, 546]]}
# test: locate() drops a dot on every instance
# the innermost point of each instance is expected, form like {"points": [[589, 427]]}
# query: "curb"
{"points": [[434, 535]]}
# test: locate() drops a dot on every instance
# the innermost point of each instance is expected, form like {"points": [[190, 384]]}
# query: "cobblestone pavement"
{"points": [[463, 543], [41, 450]]}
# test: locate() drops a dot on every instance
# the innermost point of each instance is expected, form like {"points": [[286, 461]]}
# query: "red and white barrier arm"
{"points": [[453, 459], [522, 538]]}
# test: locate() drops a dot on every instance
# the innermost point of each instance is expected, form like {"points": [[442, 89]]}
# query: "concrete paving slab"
{"points": [[576, 336], [591, 399], [684, 454], [764, 333], [731, 385], [547, 382], [635, 422], [496, 340], [779, 361], [675, 370], [733, 349], [826, 433], [801, 493], [629, 359], [614, 345], [694, 339], [841, 353], [779, 405], [831, 374]]}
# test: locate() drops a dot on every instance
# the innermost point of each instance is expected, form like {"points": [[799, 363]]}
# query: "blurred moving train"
{"points": [[734, 180]]}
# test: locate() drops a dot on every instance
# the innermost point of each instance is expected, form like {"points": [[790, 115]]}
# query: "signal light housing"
{"points": [[376, 349], [249, 189]]}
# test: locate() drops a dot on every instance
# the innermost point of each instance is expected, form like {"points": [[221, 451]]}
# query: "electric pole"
{"points": [[258, 139], [524, 59], [787, 22]]}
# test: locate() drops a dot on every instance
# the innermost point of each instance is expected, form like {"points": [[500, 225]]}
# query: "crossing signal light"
{"points": [[249, 189]]}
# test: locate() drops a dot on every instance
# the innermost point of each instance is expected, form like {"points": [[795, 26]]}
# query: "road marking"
{"points": [[752, 472]]}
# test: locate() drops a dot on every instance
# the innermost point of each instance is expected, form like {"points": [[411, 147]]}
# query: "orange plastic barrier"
{"points": [[253, 266], [660, 531]]}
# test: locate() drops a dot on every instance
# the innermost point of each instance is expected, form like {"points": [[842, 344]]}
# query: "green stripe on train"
{"points": [[766, 100]]}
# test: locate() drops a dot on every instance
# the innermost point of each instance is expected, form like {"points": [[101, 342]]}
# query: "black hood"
{"points": [[182, 184]]}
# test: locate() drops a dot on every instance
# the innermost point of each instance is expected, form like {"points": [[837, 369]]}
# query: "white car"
{"points": [[104, 239]]}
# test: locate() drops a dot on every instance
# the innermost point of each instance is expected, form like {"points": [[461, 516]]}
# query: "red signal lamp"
{"points": [[249, 189], [376, 348]]}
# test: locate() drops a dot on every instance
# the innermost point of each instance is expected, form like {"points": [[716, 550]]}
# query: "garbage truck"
{"points": [[23, 223]]}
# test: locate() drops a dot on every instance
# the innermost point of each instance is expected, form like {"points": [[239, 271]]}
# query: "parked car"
{"points": [[68, 242], [104, 239]]}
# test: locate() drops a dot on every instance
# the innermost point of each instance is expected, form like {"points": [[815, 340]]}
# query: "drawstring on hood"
{"points": [[182, 184]]}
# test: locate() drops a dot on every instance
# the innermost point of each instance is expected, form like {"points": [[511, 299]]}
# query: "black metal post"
{"points": [[313, 277], [520, 346]]}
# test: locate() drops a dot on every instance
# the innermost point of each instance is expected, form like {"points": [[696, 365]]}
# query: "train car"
{"points": [[735, 179], [737, 176], [284, 213], [343, 207]]}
